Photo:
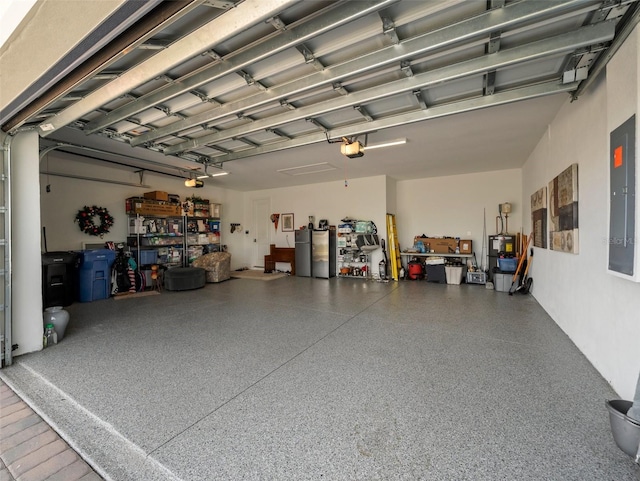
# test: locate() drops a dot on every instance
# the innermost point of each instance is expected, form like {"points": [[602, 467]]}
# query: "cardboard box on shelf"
{"points": [[136, 205], [466, 246], [157, 195], [438, 245]]}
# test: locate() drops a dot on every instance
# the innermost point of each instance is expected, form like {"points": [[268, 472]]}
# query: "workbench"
{"points": [[434, 254]]}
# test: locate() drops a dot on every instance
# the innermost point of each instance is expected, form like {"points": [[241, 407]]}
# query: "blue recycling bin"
{"points": [[94, 274]]}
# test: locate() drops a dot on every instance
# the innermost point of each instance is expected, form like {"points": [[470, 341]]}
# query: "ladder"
{"points": [[394, 248]]}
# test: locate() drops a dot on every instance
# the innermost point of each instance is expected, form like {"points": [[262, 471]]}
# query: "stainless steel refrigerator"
{"points": [[323, 249], [303, 253]]}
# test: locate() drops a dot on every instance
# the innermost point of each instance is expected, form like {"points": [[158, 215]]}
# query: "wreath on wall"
{"points": [[85, 221]]}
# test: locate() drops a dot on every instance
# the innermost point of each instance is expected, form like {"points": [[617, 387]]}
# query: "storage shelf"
{"points": [[433, 254], [158, 234], [349, 276]]}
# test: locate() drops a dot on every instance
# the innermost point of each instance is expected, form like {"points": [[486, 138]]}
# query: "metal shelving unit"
{"points": [[202, 232], [157, 233]]}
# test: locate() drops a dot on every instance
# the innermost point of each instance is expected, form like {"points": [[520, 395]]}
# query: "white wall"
{"points": [[599, 312], [363, 199], [454, 206]]}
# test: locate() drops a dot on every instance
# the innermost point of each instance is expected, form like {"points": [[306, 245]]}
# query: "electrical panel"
{"points": [[623, 253]]}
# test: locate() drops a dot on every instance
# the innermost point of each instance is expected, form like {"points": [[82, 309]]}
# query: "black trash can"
{"points": [[59, 272]]}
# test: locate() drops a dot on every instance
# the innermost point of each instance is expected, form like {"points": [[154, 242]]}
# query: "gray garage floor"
{"points": [[302, 378]]}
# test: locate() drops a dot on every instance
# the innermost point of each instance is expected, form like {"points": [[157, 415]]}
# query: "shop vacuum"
{"points": [[416, 269], [382, 265]]}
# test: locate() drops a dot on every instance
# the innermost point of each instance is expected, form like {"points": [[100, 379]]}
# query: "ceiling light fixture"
{"points": [[354, 149], [218, 174], [385, 144], [207, 174]]}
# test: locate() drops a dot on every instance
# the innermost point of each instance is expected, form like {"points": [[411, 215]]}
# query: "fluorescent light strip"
{"points": [[212, 175], [385, 144]]}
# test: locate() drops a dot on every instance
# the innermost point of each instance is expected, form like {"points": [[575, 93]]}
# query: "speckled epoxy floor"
{"points": [[302, 378]]}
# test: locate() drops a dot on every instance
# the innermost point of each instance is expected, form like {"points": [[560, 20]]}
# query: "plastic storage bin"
{"points": [[436, 273], [507, 264], [94, 275], [148, 257], [455, 274], [502, 282]]}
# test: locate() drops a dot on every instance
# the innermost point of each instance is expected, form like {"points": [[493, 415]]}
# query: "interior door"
{"points": [[261, 230]]}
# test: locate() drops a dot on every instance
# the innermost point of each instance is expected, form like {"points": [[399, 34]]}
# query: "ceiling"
{"points": [[267, 90]]}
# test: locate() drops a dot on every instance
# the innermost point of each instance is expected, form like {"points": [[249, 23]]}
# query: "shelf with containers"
{"points": [[354, 249], [156, 240], [203, 230], [155, 231]]}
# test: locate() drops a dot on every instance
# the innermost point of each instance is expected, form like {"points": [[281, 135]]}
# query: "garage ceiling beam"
{"points": [[483, 24], [286, 39], [624, 31], [94, 67], [245, 15], [481, 102], [543, 48]]}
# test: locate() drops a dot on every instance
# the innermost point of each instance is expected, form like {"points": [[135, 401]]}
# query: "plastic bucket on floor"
{"points": [[626, 431]]}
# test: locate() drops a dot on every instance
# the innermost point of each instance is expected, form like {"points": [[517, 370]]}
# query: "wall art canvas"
{"points": [[539, 217], [563, 211]]}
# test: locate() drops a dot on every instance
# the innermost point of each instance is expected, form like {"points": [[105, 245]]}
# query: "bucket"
{"points": [[626, 431]]}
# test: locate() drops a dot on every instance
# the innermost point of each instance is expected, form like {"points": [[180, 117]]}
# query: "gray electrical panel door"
{"points": [[622, 202]]}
